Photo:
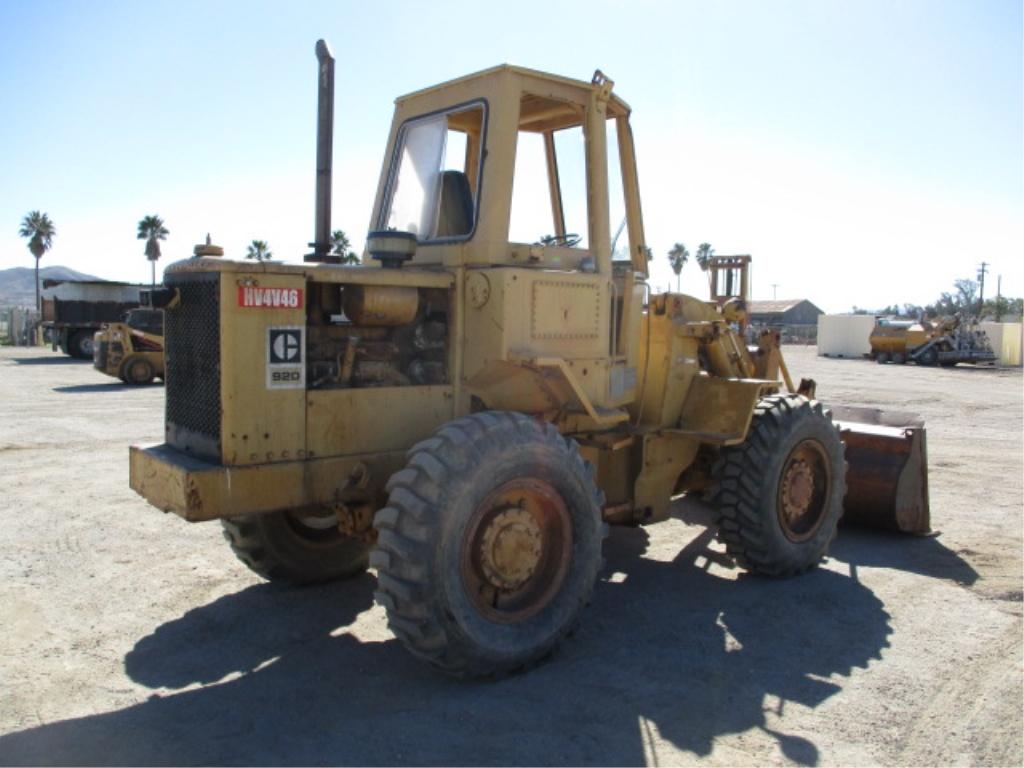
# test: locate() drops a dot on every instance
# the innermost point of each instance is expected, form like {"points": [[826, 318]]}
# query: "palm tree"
{"points": [[677, 257], [152, 230], [259, 251], [41, 231], [703, 256], [341, 246]]}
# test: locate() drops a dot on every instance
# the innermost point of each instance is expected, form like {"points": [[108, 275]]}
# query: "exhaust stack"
{"points": [[321, 244]]}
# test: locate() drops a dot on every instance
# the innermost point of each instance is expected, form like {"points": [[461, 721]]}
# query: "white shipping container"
{"points": [[1006, 341], [844, 335]]}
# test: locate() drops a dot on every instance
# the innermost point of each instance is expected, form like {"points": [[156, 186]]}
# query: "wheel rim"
{"points": [[804, 490], [139, 371], [516, 550], [313, 529]]}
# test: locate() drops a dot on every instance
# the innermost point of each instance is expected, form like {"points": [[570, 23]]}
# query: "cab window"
{"points": [[549, 189], [434, 187], [146, 320]]}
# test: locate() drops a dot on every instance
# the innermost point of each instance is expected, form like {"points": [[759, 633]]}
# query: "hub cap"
{"points": [[510, 549], [516, 550], [804, 490]]}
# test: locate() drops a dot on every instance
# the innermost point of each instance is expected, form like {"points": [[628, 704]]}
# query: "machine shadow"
{"points": [[272, 676], [857, 545], [110, 386], [924, 555], [62, 360]]}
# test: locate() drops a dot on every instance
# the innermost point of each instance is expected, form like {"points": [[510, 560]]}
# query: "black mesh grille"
{"points": [[192, 362]]}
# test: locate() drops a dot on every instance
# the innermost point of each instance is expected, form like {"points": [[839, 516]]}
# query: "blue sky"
{"points": [[864, 152]]}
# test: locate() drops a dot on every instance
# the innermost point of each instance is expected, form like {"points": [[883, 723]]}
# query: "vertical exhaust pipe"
{"points": [[321, 244]]}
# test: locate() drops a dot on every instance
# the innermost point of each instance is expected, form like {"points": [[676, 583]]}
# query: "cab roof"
{"points": [[532, 80]]}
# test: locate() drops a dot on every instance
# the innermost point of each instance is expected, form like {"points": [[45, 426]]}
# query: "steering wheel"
{"points": [[569, 240]]}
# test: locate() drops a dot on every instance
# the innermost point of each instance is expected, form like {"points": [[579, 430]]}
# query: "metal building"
{"points": [[796, 318]]}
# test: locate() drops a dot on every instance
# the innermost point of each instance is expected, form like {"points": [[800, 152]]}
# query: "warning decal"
{"points": [[285, 367], [269, 298]]}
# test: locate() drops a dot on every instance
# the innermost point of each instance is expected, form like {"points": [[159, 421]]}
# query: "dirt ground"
{"points": [[131, 637]]}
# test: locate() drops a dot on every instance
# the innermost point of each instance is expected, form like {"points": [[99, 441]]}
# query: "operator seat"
{"points": [[455, 217]]}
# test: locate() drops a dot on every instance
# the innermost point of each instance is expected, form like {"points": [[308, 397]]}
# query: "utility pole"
{"points": [[774, 291], [981, 278], [999, 299]]}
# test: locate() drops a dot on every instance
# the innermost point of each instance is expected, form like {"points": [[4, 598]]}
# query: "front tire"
{"points": [[295, 549], [490, 544], [137, 371], [779, 494]]}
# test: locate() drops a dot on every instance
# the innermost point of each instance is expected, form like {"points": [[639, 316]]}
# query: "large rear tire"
{"points": [[490, 544], [295, 549], [779, 494]]}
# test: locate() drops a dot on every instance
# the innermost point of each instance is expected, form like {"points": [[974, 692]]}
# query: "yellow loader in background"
{"points": [[133, 350], [468, 410]]}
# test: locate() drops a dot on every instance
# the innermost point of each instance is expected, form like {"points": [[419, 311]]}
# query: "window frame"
{"points": [[395, 165]]}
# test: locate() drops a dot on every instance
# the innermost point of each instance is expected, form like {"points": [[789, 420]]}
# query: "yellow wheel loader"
{"points": [[133, 350], [470, 408]]}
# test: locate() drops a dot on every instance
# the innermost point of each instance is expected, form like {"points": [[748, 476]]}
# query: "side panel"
{"points": [[374, 419], [514, 316], [261, 424]]}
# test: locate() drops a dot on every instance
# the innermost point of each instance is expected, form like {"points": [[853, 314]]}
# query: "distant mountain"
{"points": [[16, 289]]}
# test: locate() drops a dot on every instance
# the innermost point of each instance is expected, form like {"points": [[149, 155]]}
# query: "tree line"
{"points": [[963, 299], [40, 231]]}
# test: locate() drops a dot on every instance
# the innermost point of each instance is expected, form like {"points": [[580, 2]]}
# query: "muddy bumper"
{"points": [[197, 490]]}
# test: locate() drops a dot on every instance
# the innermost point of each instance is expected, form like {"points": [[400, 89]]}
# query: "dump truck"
{"points": [[73, 310], [132, 350], [944, 341], [467, 412]]}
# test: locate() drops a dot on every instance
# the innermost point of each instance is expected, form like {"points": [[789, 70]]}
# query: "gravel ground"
{"points": [[131, 637]]}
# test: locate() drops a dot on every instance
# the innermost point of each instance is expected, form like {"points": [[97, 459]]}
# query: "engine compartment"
{"points": [[376, 336]]}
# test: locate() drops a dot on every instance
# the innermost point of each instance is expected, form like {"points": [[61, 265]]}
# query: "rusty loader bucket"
{"points": [[887, 469]]}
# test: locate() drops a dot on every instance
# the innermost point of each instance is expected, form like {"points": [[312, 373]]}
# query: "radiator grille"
{"points": [[192, 363], [99, 355]]}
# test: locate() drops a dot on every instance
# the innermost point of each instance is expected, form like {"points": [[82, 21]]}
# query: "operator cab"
{"points": [[514, 167], [146, 320]]}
